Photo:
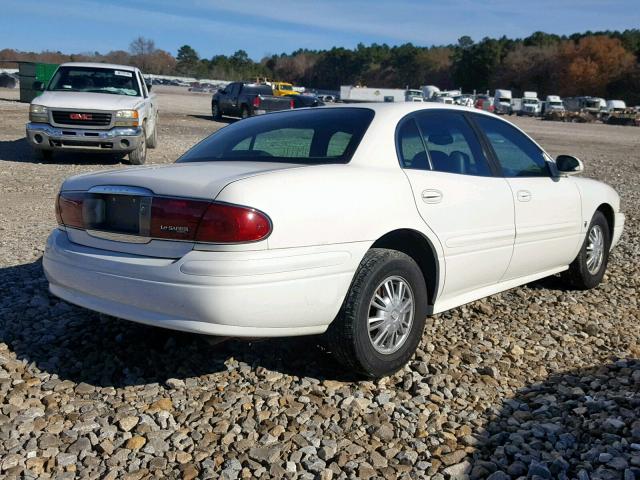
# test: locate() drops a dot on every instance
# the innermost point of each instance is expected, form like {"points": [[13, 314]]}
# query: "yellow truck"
{"points": [[281, 89]]}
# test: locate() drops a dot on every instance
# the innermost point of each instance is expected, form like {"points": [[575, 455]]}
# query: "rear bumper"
{"points": [[268, 293], [43, 136]]}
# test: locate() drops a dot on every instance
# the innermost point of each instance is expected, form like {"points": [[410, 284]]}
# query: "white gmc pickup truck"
{"points": [[94, 107]]}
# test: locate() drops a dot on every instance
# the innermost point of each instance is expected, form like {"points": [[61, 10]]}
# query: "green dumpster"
{"points": [[30, 72]]}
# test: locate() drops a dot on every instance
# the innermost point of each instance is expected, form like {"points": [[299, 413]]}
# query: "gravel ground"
{"points": [[537, 382]]}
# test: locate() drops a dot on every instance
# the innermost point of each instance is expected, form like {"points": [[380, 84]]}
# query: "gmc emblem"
{"points": [[80, 116]]}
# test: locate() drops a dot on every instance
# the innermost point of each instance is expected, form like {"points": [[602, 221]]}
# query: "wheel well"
{"points": [[607, 211], [418, 247]]}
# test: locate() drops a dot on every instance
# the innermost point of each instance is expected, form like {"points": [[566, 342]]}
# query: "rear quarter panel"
{"points": [[330, 204]]}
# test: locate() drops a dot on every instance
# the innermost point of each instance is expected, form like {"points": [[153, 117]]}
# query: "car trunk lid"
{"points": [[117, 205]]}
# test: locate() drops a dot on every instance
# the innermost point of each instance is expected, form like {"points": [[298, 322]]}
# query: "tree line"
{"points": [[603, 64]]}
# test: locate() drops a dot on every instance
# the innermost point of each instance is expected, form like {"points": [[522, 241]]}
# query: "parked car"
{"points": [[484, 102], [94, 107], [261, 229], [303, 101], [244, 100]]}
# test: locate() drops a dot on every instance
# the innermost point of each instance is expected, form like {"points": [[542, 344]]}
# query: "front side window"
{"points": [[452, 144], [307, 137], [95, 80], [518, 156]]}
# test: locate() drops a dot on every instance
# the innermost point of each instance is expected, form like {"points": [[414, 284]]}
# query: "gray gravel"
{"points": [[538, 382]]}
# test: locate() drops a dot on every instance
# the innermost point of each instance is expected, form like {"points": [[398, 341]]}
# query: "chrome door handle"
{"points": [[524, 195], [431, 196]]}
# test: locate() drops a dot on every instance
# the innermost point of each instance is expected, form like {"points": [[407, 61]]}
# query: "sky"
{"points": [[263, 27]]}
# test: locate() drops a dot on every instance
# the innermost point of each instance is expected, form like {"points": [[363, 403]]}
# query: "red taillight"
{"points": [[256, 102], [224, 223], [176, 218], [69, 209], [291, 103]]}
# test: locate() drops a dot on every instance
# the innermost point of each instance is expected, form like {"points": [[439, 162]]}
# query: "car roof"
{"points": [[99, 65], [404, 108]]}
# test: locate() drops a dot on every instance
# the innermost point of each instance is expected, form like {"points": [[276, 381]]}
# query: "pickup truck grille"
{"points": [[93, 119]]}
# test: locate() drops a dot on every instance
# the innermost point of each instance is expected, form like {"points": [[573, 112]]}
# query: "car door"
{"points": [[148, 106], [226, 100], [547, 208], [459, 196]]}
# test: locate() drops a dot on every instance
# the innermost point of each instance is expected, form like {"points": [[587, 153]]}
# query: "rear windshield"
{"points": [[311, 137], [258, 89], [95, 80]]}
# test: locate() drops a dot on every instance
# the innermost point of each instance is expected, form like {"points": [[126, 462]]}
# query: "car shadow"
{"points": [[83, 346], [583, 423], [226, 120], [553, 282], [20, 151]]}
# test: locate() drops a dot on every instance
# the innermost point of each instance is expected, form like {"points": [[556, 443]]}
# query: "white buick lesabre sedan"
{"points": [[355, 222]]}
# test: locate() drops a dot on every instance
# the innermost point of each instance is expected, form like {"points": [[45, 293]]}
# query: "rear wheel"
{"points": [[587, 270], [245, 113], [139, 155], [381, 321]]}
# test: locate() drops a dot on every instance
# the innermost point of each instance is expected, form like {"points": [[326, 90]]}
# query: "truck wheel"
{"points": [[382, 318], [152, 141], [215, 112], [587, 270], [139, 155], [245, 112]]}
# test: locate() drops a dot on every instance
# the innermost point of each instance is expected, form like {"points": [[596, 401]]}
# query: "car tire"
{"points": [[139, 155], [215, 111], [152, 140], [245, 113], [587, 270], [352, 336]]}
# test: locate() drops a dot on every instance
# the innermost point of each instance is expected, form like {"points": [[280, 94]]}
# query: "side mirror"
{"points": [[569, 165], [149, 85], [38, 86]]}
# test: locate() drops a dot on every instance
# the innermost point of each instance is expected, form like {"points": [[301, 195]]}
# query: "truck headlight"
{"points": [[126, 118], [38, 113]]}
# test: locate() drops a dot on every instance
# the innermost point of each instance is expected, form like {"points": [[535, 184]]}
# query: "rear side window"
{"points": [[258, 90], [317, 136], [411, 148], [518, 156], [452, 144]]}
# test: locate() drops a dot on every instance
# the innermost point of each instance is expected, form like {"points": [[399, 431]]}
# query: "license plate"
{"points": [[124, 214]]}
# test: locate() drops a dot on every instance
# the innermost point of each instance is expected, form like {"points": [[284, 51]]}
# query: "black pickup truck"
{"points": [[243, 100]]}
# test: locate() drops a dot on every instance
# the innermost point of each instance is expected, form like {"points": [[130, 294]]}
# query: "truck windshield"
{"points": [[95, 80], [285, 87], [530, 101], [308, 137]]}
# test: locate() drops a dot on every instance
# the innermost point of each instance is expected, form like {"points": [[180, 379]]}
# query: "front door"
{"points": [[547, 208], [459, 197]]}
